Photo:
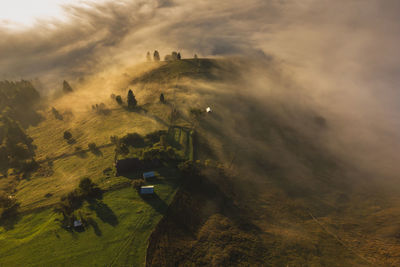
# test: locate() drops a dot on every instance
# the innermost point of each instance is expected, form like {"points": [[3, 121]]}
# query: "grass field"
{"points": [[123, 223]]}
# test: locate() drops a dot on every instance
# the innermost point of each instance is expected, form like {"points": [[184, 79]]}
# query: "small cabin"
{"points": [[77, 223], [147, 190], [147, 175]]}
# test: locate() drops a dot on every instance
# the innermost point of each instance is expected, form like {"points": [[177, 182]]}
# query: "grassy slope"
{"points": [[48, 137], [35, 238]]}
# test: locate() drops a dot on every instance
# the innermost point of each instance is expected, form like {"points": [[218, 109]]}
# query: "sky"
{"points": [[17, 14]]}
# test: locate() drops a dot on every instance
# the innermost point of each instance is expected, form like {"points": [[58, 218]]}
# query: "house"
{"points": [[147, 175], [77, 223], [147, 190]]}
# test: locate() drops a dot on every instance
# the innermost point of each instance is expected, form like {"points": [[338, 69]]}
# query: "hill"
{"points": [[263, 189]]}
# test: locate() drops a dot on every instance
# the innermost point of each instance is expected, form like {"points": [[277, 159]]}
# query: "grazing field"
{"points": [[122, 222]]}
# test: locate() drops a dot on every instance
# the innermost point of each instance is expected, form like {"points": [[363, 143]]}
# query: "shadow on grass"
{"points": [[97, 152], [95, 226], [10, 217], [104, 212], [156, 203], [71, 141]]}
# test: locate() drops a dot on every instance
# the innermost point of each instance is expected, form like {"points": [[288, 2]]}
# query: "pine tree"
{"points": [[156, 56], [148, 56], [162, 99], [179, 56], [131, 100]]}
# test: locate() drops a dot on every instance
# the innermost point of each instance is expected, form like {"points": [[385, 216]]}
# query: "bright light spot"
{"points": [[24, 13]]}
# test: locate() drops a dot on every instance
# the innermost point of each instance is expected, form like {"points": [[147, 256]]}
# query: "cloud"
{"points": [[337, 57]]}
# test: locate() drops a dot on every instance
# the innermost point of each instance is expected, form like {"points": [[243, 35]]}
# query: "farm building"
{"points": [[147, 190], [147, 175], [77, 223]]}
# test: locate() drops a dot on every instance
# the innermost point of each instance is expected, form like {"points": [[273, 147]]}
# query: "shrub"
{"points": [[67, 135], [86, 186], [56, 114], [133, 139], [154, 137], [137, 184], [118, 98]]}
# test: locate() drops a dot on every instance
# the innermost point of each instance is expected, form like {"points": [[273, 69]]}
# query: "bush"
{"points": [[67, 135], [8, 206], [133, 139], [86, 186], [136, 184], [154, 137], [56, 114], [118, 98]]}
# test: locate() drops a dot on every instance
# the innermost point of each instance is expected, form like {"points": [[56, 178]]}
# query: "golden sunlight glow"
{"points": [[24, 13]]}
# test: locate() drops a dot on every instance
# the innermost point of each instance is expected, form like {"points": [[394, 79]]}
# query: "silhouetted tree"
{"points": [[131, 100], [56, 114], [162, 99], [195, 56], [174, 55], [148, 56], [118, 98], [179, 56], [86, 186], [156, 56], [66, 87]]}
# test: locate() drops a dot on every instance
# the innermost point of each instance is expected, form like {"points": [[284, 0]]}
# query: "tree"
{"points": [[67, 135], [92, 147], [162, 99], [174, 55], [195, 56], [66, 87], [86, 186], [118, 98], [148, 56], [168, 58], [56, 114], [156, 56], [131, 100], [179, 56]]}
